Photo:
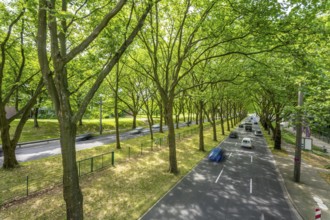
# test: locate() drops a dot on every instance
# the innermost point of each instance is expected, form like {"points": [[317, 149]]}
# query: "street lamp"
{"points": [[101, 128]]}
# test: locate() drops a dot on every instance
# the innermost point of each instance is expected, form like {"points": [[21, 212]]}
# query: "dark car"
{"points": [[241, 125], [84, 137], [248, 126], [233, 134]]}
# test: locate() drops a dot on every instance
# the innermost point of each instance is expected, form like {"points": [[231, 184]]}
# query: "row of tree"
{"points": [[175, 57]]}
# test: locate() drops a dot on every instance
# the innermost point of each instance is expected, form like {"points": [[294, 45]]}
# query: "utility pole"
{"points": [[297, 155]]}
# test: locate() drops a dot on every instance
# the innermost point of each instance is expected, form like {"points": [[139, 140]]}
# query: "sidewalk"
{"points": [[316, 142], [312, 191]]}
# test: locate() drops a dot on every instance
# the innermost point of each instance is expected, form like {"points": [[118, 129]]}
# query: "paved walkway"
{"points": [[313, 191], [316, 142]]}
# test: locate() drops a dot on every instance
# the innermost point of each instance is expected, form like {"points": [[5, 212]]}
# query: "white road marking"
{"points": [[320, 203], [219, 176], [262, 216], [251, 186], [251, 159], [230, 154]]}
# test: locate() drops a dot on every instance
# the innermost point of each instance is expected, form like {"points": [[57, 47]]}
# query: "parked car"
{"points": [[233, 134], [241, 125], [246, 142], [257, 133]]}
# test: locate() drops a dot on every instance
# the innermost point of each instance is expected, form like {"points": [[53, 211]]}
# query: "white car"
{"points": [[247, 142]]}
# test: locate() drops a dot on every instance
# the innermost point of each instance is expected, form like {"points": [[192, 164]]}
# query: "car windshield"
{"points": [[246, 141]]}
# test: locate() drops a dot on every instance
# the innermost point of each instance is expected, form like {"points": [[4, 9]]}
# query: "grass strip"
{"points": [[123, 192]]}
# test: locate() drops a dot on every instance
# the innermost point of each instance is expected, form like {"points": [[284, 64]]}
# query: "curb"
{"points": [[287, 195]]}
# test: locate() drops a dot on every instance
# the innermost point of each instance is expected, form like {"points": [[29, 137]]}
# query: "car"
{"points": [[137, 130], [255, 122], [246, 142], [84, 137], [258, 133], [233, 134], [241, 125], [156, 126], [248, 126], [188, 123]]}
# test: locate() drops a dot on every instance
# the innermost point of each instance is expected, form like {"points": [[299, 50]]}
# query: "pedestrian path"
{"points": [[312, 191], [316, 141]]}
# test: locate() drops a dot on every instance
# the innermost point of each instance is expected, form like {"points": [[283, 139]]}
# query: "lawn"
{"points": [[125, 191], [316, 157]]}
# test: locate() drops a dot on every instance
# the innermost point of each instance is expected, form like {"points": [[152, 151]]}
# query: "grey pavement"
{"points": [[312, 191], [246, 185], [45, 149], [316, 141]]}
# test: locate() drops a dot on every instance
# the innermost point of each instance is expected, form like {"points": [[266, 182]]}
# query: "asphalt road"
{"points": [[244, 186], [44, 149]]}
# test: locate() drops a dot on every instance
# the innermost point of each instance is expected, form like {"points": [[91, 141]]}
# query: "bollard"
{"points": [[92, 164], [27, 185], [113, 158], [318, 213]]}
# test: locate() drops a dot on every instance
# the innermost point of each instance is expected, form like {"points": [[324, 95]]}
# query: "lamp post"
{"points": [[101, 128]]}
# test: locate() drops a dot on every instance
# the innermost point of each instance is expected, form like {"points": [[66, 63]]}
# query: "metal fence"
{"points": [[321, 135], [95, 163], [27, 185]]}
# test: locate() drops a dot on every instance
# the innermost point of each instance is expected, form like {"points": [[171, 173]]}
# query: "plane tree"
{"points": [[20, 84], [189, 31], [60, 47]]}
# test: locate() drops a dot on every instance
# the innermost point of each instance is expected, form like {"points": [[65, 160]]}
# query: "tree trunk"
{"points": [[35, 118], [231, 118], [173, 167], [177, 121], [221, 120], [116, 110], [214, 125], [277, 132], [201, 132], [8, 147], [235, 115], [134, 120], [71, 190], [161, 118], [277, 137], [150, 122]]}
